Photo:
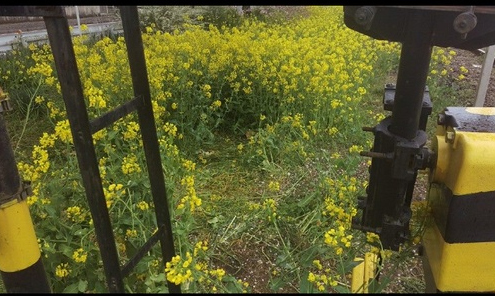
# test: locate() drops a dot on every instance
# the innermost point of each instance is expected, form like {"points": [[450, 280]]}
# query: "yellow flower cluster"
{"points": [[62, 270], [170, 128], [113, 191], [274, 186], [131, 132], [188, 165], [40, 159], [76, 214], [95, 97], [130, 165], [190, 198], [271, 206], [143, 205], [338, 239], [131, 233], [179, 271], [63, 132], [322, 281], [80, 255]]}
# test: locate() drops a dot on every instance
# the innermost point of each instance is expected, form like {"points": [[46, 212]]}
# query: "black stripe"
{"points": [[465, 218], [30, 280]]}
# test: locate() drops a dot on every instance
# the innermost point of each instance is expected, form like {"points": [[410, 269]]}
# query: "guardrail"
{"points": [[23, 39]]}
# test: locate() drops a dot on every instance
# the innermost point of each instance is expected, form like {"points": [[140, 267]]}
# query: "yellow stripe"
{"points": [[460, 267], [481, 110], [364, 273], [466, 165], [18, 244]]}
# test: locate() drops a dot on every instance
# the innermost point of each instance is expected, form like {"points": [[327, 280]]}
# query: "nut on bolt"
{"points": [[364, 16], [450, 136], [465, 23]]}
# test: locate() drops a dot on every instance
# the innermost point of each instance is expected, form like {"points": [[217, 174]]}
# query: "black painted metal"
{"points": [[29, 280], [114, 115], [400, 137], [137, 62], [10, 182], [44, 10], [82, 130], [390, 23], [142, 252], [464, 121], [386, 208], [63, 52], [413, 71]]}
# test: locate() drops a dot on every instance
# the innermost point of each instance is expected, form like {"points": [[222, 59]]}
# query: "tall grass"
{"points": [[259, 127]]}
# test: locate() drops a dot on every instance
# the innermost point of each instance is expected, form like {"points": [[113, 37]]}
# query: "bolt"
{"points": [[449, 137], [364, 16], [368, 129], [441, 119], [465, 22]]}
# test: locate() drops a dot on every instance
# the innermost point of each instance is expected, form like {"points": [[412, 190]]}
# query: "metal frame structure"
{"points": [[83, 128], [458, 241]]}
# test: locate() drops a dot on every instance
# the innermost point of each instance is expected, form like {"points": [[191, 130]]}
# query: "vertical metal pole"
{"points": [[486, 71], [413, 70], [78, 20], [137, 62], [21, 266], [68, 75]]}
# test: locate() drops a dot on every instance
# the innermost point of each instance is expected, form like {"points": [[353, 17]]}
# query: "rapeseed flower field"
{"points": [[259, 127]]}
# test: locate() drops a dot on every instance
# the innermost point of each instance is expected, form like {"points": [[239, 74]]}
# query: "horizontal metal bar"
{"points": [[114, 115], [141, 252], [48, 11], [452, 8]]}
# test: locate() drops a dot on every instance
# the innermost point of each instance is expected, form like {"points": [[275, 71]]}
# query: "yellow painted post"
{"points": [[364, 273], [21, 266]]}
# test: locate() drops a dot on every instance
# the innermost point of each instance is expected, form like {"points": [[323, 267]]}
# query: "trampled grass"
{"points": [[259, 128]]}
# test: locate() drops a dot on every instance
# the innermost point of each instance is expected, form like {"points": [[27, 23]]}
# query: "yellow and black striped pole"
{"points": [[20, 257], [459, 239]]}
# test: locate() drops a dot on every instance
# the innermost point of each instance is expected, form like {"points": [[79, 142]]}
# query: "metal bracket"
{"points": [[22, 194], [4, 102]]}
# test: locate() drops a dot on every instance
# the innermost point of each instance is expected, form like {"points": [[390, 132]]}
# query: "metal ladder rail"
{"points": [[82, 129]]}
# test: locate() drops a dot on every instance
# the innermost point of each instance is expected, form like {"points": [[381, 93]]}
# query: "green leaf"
{"points": [[305, 286], [213, 220], [304, 202], [83, 285], [72, 288], [341, 289], [308, 255]]}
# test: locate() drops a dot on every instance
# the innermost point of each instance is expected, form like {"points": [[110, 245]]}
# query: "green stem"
{"points": [[27, 115]]}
